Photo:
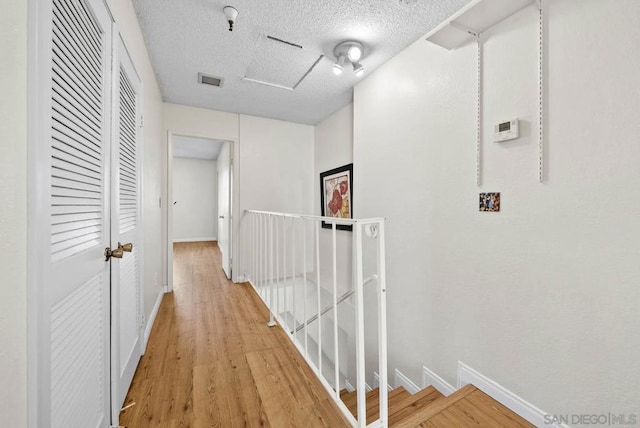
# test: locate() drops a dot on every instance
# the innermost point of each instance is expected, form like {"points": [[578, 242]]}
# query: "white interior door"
{"points": [[126, 321], [224, 206], [73, 102]]}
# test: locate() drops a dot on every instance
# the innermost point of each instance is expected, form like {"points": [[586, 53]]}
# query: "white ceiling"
{"points": [[186, 37], [192, 147]]}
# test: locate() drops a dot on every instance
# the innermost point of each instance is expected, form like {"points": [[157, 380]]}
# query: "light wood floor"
{"points": [[211, 360]]}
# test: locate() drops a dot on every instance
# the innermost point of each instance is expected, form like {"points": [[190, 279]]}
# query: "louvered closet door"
{"points": [[125, 225], [74, 98]]}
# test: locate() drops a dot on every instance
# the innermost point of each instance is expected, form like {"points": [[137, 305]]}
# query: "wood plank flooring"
{"points": [[211, 360]]}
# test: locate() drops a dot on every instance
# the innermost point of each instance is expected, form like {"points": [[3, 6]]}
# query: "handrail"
{"points": [[332, 220], [341, 299]]}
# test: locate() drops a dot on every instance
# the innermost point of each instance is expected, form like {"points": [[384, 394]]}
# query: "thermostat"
{"points": [[506, 131]]}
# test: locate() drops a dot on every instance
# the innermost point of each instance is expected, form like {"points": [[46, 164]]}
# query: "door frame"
{"points": [[35, 373], [234, 206]]}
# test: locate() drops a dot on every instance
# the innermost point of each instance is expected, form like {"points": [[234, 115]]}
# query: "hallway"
{"points": [[212, 361]]}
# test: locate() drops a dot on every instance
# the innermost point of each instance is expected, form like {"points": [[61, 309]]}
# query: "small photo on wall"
{"points": [[490, 202]]}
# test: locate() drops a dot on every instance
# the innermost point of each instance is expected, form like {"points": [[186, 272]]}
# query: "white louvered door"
{"points": [[87, 193], [74, 96], [125, 226]]}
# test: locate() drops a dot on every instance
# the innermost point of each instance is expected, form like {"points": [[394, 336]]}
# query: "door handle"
{"points": [[126, 247], [220, 216], [115, 253]]}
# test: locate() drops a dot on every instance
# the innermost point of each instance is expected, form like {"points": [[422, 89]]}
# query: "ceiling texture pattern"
{"points": [[185, 37]]}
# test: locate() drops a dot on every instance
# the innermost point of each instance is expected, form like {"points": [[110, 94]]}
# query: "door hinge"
{"points": [[141, 120]]}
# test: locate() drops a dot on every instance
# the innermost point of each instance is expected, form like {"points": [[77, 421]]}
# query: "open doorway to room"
{"points": [[200, 174]]}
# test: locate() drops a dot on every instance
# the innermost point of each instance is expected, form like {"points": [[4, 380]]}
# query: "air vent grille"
{"points": [[206, 79]]}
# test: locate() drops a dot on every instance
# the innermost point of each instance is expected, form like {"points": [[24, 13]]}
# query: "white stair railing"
{"points": [[294, 296]]}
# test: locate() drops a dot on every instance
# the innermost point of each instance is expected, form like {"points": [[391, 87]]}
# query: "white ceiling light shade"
{"points": [[230, 14], [354, 53], [358, 69], [351, 51], [339, 66]]}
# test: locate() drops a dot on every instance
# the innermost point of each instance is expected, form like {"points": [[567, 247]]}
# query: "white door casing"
{"points": [[72, 222], [126, 320]]}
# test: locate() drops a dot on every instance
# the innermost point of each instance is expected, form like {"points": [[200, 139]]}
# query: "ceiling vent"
{"points": [[206, 79]]}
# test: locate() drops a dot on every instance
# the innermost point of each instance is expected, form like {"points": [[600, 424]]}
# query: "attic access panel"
{"points": [[280, 63]]}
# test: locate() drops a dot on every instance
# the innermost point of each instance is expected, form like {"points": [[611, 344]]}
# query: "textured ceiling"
{"points": [[185, 37], [192, 147]]}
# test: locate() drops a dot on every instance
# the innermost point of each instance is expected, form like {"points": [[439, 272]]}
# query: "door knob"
{"points": [[126, 247], [116, 253]]}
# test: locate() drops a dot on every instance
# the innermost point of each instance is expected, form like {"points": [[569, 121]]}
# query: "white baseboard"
{"points": [[194, 240], [352, 388], [376, 382], [528, 411], [430, 378], [152, 318], [348, 386], [406, 383]]}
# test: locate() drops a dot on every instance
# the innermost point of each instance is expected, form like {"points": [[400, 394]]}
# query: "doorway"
{"points": [[200, 179]]}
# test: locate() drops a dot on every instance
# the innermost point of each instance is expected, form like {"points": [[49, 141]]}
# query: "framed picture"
{"points": [[490, 202], [336, 195]]}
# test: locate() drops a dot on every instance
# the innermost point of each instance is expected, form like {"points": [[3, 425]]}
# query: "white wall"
{"points": [[276, 160], [195, 191], [541, 297], [333, 147], [13, 213], [153, 158]]}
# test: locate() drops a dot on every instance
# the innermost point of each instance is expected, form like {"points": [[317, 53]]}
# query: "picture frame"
{"points": [[336, 195], [490, 202]]}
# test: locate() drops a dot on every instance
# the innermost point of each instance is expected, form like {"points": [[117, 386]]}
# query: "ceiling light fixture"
{"points": [[354, 53], [358, 69], [339, 66], [230, 14], [351, 51]]}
